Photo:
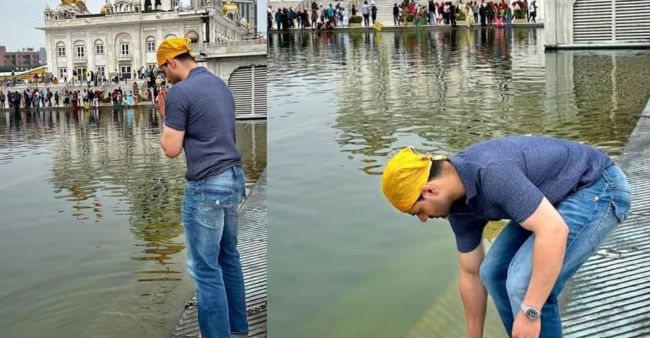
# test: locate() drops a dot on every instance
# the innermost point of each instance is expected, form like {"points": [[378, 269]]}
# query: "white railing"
{"points": [[210, 45]]}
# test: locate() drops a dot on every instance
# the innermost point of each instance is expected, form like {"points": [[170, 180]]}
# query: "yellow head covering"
{"points": [[405, 174], [172, 48]]}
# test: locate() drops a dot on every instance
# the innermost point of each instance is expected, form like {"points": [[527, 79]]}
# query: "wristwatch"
{"points": [[530, 312]]}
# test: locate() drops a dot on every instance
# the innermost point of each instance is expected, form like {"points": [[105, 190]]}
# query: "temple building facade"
{"points": [[124, 36]]}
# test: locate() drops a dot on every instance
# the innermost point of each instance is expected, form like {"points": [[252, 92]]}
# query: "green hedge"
{"points": [[521, 13], [356, 19]]}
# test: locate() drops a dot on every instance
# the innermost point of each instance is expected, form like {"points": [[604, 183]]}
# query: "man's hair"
{"points": [[184, 57], [436, 169]]}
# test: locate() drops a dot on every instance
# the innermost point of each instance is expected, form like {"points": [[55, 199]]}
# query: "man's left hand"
{"points": [[526, 328]]}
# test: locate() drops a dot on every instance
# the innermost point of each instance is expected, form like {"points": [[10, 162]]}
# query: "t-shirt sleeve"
{"points": [[468, 231], [176, 109], [507, 187]]}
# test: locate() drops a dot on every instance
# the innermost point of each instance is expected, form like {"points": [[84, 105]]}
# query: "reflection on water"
{"points": [[93, 207], [341, 104]]}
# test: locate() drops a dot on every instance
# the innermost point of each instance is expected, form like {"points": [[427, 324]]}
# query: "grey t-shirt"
{"points": [[508, 177], [203, 107]]}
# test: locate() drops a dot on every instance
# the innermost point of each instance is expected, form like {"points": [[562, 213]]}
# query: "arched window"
{"points": [[79, 50], [60, 48], [170, 36], [151, 44], [193, 36], [123, 44], [99, 47]]}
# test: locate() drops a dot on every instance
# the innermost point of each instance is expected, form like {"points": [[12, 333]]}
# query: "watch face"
{"points": [[532, 314]]}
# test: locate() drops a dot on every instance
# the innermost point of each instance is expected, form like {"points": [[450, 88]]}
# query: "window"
{"points": [[99, 47], [151, 44], [124, 47], [60, 49], [63, 72], [193, 36], [81, 73], [101, 70], [81, 52], [126, 71]]}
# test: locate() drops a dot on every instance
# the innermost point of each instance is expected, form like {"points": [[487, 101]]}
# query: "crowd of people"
{"points": [[472, 12], [429, 13], [98, 77], [319, 16], [46, 98], [86, 98]]}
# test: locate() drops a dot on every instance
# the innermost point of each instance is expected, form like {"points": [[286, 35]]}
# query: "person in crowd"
{"points": [[365, 11]]}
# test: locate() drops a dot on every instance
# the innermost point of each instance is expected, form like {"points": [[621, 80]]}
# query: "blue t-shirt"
{"points": [[203, 107], [507, 178]]}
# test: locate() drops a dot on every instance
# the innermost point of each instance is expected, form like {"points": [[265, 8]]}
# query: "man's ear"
{"points": [[430, 190], [171, 64]]}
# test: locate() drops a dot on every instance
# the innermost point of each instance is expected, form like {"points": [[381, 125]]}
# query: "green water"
{"points": [[343, 263], [90, 237]]}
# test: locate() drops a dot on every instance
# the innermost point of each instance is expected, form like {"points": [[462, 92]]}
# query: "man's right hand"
{"points": [[160, 103], [472, 291]]}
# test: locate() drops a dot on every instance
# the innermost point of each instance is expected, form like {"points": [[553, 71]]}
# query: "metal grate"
{"points": [[632, 20], [259, 85], [611, 20], [248, 85], [241, 82], [592, 21]]}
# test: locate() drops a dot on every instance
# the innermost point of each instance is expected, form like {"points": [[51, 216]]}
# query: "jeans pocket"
{"points": [[219, 197], [605, 225]]}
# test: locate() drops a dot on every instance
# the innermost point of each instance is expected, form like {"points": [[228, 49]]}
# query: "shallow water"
{"points": [[343, 263], [90, 236]]}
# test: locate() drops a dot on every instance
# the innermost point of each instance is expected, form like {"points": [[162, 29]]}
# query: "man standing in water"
{"points": [[199, 117], [562, 198]]}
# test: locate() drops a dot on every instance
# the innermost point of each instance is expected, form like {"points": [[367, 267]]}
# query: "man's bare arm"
{"points": [[472, 291]]}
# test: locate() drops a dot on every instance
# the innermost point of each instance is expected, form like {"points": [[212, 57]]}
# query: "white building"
{"points": [[125, 35]]}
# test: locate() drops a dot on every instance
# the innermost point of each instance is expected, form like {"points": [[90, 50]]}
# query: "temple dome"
{"points": [[72, 6]]}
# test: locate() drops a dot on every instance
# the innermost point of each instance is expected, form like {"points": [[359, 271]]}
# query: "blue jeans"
{"points": [[590, 213], [210, 219]]}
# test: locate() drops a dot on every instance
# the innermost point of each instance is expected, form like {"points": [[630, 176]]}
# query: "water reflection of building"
{"points": [[443, 91], [415, 88], [116, 155]]}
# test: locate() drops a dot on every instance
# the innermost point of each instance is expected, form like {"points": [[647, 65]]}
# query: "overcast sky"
{"points": [[19, 19]]}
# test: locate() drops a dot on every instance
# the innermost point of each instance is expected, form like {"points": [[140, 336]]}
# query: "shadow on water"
{"points": [[102, 204], [342, 103]]}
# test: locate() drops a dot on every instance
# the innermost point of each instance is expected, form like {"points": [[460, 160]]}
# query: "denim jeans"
{"points": [[590, 213], [210, 220]]}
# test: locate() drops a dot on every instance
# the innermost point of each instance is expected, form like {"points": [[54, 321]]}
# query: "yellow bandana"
{"points": [[172, 48], [405, 174]]}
